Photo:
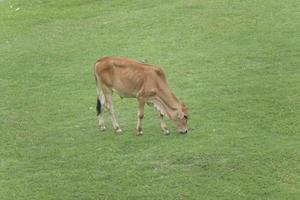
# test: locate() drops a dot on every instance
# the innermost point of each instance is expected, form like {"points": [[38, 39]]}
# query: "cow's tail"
{"points": [[99, 91]]}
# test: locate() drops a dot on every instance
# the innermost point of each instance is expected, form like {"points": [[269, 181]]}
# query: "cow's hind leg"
{"points": [[108, 103], [100, 111]]}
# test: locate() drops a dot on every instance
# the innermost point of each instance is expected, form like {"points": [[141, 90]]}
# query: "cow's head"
{"points": [[180, 117]]}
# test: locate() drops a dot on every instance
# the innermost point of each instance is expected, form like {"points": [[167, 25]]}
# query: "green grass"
{"points": [[236, 64]]}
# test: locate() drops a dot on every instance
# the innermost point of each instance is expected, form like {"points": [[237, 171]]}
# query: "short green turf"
{"points": [[236, 64]]}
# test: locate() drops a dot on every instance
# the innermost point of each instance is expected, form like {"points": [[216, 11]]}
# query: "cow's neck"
{"points": [[168, 101]]}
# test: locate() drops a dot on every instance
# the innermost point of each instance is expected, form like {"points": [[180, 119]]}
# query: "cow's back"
{"points": [[125, 76]]}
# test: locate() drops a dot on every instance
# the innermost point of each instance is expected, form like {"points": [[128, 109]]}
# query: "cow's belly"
{"points": [[125, 87], [124, 93]]}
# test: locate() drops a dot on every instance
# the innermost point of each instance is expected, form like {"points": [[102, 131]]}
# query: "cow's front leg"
{"points": [[140, 116], [163, 125]]}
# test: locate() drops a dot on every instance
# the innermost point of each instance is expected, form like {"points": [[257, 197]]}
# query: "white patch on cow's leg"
{"points": [[140, 116], [163, 125], [114, 120], [101, 123], [139, 130], [101, 115], [112, 113]]}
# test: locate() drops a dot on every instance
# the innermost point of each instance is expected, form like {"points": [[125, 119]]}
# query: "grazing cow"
{"points": [[145, 82]]}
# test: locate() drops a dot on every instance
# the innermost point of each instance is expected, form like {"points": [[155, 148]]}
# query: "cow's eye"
{"points": [[185, 117]]}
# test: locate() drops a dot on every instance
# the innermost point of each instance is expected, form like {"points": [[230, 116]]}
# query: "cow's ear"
{"points": [[180, 115]]}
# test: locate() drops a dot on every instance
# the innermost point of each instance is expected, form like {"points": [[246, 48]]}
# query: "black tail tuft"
{"points": [[98, 107]]}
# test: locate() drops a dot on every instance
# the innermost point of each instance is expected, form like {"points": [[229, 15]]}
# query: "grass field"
{"points": [[236, 64]]}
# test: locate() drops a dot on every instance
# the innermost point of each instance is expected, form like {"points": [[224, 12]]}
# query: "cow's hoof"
{"points": [[139, 133], [118, 130], [102, 128], [166, 132]]}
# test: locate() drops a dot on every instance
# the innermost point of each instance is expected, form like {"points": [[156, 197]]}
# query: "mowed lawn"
{"points": [[236, 64]]}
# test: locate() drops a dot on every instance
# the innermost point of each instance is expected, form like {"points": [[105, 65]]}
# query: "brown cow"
{"points": [[145, 82]]}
